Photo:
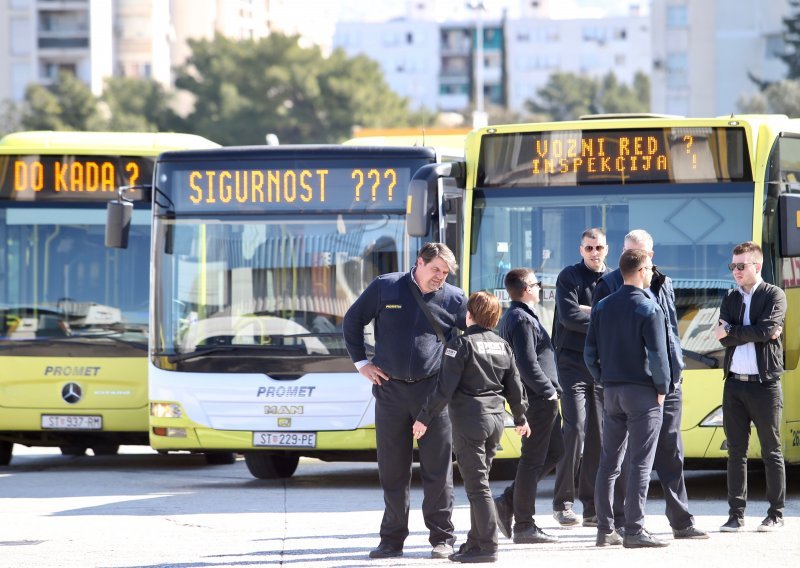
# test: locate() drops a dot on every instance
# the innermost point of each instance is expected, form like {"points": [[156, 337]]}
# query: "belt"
{"points": [[744, 378], [410, 381]]}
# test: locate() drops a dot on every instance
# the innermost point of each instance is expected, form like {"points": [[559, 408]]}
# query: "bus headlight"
{"points": [[165, 410], [714, 419]]}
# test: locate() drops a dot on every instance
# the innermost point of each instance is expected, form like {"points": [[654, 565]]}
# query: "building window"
{"points": [[677, 69], [409, 38], [677, 16]]}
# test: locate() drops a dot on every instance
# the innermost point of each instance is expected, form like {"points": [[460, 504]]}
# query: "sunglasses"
{"points": [[651, 268], [590, 248], [739, 265], [535, 285]]}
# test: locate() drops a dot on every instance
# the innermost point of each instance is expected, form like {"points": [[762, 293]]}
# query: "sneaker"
{"points": [[566, 518], [473, 555], [533, 535], [770, 524], [441, 550], [605, 539], [642, 540], [734, 524], [505, 515], [689, 532], [386, 550], [590, 521]]}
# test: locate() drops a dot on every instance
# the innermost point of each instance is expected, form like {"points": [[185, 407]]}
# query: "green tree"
{"points": [[567, 96], [791, 40], [244, 89], [778, 98], [66, 105], [9, 117], [138, 105]]}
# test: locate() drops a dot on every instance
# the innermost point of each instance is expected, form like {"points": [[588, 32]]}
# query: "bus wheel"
{"points": [[271, 466], [105, 449], [73, 450], [220, 458], [6, 449]]}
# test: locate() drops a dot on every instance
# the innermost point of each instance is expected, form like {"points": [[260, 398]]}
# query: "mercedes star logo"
{"points": [[71, 393]]}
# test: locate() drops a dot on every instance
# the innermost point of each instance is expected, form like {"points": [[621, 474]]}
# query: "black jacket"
{"points": [[478, 375], [574, 288], [533, 350], [767, 311], [406, 346]]}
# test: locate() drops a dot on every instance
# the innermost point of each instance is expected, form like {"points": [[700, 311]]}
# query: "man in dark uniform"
{"points": [[750, 324], [540, 452], [668, 462], [626, 350], [478, 375], [407, 357], [582, 400]]}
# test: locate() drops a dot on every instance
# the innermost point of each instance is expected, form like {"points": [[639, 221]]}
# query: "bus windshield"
{"points": [[61, 288], [691, 224]]}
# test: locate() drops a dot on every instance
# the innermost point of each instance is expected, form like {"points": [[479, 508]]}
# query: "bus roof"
{"points": [[99, 143], [299, 151]]}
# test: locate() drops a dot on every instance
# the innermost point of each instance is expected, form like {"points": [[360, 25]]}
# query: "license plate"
{"points": [[285, 439], [71, 422]]}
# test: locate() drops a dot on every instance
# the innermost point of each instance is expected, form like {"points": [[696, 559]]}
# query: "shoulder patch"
{"points": [[450, 352], [492, 347]]}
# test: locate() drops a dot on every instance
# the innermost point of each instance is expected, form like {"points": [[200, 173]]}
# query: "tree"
{"points": [[66, 105], [567, 96], [138, 105], [791, 40], [779, 98], [244, 89], [9, 117]]}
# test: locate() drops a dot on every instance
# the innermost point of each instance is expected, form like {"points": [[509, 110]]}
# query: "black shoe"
{"points": [[642, 540], [442, 550], [386, 550], [734, 524], [473, 555], [605, 539], [505, 514], [533, 535], [770, 524], [689, 532]]}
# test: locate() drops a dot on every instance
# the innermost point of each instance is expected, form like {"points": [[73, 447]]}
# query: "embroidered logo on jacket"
{"points": [[394, 306], [491, 347], [450, 352]]}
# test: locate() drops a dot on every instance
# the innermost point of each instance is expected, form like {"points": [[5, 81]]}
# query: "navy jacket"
{"points": [[661, 289], [767, 311], [627, 341], [536, 360], [406, 346], [478, 375], [574, 287]]}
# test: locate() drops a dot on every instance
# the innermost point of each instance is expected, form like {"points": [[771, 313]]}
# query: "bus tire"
{"points": [[264, 465], [6, 449], [73, 451], [105, 449], [220, 458]]}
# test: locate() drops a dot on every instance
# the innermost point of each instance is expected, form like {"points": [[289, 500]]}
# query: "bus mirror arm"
{"points": [[422, 196], [789, 219], [118, 221]]}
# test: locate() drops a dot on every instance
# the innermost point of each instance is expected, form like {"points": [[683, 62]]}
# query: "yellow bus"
{"points": [[258, 253], [73, 334], [699, 186]]}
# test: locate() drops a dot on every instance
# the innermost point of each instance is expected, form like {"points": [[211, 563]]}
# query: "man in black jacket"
{"points": [[626, 350], [407, 358], [478, 375], [750, 320], [582, 399], [540, 452]]}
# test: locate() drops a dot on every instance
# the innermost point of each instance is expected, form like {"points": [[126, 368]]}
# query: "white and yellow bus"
{"points": [[73, 333], [698, 185]]}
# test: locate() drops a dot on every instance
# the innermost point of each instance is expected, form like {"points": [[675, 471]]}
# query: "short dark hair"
{"points": [[632, 260], [429, 251], [594, 233], [485, 309], [516, 282], [751, 248]]}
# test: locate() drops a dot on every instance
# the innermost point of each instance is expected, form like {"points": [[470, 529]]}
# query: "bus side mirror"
{"points": [[118, 223], [417, 219], [789, 215]]}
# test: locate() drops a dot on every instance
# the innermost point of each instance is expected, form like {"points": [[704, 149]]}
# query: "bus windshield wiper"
{"points": [[83, 340], [710, 362], [177, 357]]}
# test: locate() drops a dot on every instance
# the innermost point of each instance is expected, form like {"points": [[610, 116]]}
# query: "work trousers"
{"points": [[397, 405], [475, 441], [761, 404]]}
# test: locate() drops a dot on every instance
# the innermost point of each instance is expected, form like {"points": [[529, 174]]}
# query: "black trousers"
{"points": [[397, 405], [631, 419], [668, 464], [582, 414], [538, 456], [475, 441], [761, 404]]}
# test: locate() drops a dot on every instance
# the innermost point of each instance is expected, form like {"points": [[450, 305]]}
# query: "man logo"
{"points": [[71, 393], [284, 422]]}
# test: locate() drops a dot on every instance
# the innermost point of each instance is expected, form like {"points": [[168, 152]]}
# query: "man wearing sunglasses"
{"points": [[582, 401], [668, 462], [750, 322]]}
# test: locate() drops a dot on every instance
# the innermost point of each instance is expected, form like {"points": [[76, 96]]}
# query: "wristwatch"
{"points": [[728, 328]]}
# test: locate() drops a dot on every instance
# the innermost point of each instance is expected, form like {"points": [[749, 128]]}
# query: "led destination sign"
{"points": [[244, 188], [63, 177], [579, 157]]}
